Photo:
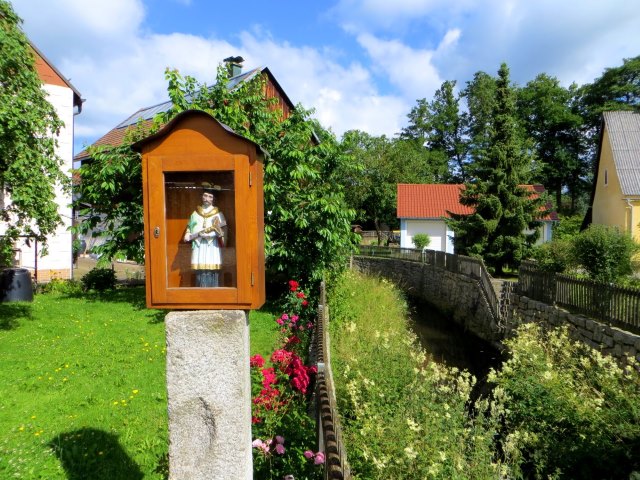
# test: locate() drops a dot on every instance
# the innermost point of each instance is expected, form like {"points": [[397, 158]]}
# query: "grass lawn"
{"points": [[82, 386]]}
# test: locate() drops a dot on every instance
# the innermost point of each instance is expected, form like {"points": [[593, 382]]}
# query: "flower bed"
{"points": [[283, 431]]}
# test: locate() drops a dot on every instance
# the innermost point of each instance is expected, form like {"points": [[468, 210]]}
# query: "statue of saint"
{"points": [[206, 230]]}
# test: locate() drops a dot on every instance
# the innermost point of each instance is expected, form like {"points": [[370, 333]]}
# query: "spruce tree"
{"points": [[502, 208]]}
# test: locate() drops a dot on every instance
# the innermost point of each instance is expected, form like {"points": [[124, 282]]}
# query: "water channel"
{"points": [[447, 342]]}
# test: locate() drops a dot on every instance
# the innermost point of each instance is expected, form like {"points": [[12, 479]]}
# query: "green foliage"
{"points": [[618, 88], [572, 412], [379, 165], [567, 227], [29, 166], [438, 127], [547, 111], [555, 256], [282, 428], [403, 417], [99, 279], [307, 222], [421, 240], [67, 287], [604, 252], [502, 208]]}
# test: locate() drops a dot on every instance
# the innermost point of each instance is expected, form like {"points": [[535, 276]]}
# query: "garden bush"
{"points": [[604, 252], [284, 433], [57, 285], [421, 240], [99, 279], [572, 412], [555, 256]]}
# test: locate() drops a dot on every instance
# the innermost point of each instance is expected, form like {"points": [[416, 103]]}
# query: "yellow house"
{"points": [[615, 199]]}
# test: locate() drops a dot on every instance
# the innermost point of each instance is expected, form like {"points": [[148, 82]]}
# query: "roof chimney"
{"points": [[234, 65]]}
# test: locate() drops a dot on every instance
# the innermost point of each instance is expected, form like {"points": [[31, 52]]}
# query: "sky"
{"points": [[361, 64]]}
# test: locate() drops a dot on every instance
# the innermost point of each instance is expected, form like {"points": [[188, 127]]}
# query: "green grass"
{"points": [[82, 386]]}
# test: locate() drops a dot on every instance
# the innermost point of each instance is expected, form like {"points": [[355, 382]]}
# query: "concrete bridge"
{"points": [[461, 288]]}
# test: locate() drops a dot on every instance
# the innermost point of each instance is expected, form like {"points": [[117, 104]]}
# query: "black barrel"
{"points": [[15, 285]]}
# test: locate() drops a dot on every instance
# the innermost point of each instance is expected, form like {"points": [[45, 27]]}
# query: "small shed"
{"points": [[203, 215]]}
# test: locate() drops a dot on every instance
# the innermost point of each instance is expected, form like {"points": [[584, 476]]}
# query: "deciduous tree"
{"points": [[547, 112], [30, 169], [307, 224]]}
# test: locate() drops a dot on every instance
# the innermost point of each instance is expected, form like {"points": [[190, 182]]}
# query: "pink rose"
{"points": [[280, 439], [280, 449], [319, 460], [308, 454]]}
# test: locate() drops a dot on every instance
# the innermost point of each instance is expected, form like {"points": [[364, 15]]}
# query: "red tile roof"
{"points": [[430, 200]]}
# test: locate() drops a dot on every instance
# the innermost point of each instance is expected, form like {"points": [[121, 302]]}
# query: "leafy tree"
{"points": [[29, 166], [547, 112], [438, 127], [421, 240], [307, 224], [618, 88], [381, 163], [502, 208]]}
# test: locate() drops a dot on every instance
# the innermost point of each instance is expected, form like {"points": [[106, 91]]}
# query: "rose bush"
{"points": [[283, 431]]}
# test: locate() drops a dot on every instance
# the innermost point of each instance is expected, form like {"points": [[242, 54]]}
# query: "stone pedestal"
{"points": [[209, 390]]}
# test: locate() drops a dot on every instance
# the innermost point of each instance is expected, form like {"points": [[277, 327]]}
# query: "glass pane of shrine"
{"points": [[201, 226]]}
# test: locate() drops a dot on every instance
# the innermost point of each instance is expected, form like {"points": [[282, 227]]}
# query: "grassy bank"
{"points": [[82, 386], [403, 416]]}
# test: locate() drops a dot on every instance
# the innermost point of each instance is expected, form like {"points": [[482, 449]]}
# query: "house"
{"points": [[67, 102], [423, 208], [145, 115], [615, 198]]}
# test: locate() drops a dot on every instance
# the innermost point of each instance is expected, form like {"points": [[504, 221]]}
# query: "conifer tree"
{"points": [[502, 208]]}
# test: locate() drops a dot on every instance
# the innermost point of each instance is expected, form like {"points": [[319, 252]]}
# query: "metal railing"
{"points": [[615, 305], [470, 267], [328, 421]]}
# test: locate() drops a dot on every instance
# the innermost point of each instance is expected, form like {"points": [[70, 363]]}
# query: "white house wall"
{"points": [[436, 229], [58, 262]]}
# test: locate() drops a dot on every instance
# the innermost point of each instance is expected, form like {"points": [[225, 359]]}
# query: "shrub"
{"points": [[421, 240], [57, 285], [555, 256], [567, 227], [604, 252], [99, 279], [284, 433], [572, 412]]}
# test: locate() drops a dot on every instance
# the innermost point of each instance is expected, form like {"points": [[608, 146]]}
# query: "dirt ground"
{"points": [[124, 270]]}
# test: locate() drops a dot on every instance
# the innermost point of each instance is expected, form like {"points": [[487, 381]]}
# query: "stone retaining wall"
{"points": [[609, 340], [457, 296], [461, 298]]}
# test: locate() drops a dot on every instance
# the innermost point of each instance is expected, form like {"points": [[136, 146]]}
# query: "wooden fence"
{"points": [[328, 422], [617, 306], [470, 267]]}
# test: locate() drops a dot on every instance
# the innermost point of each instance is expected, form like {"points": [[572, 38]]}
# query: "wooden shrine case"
{"points": [[203, 216]]}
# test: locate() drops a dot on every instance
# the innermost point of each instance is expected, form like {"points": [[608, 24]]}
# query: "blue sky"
{"points": [[360, 63]]}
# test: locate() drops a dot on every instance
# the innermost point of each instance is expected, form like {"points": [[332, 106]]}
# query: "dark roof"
{"points": [[145, 115], [624, 136]]}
